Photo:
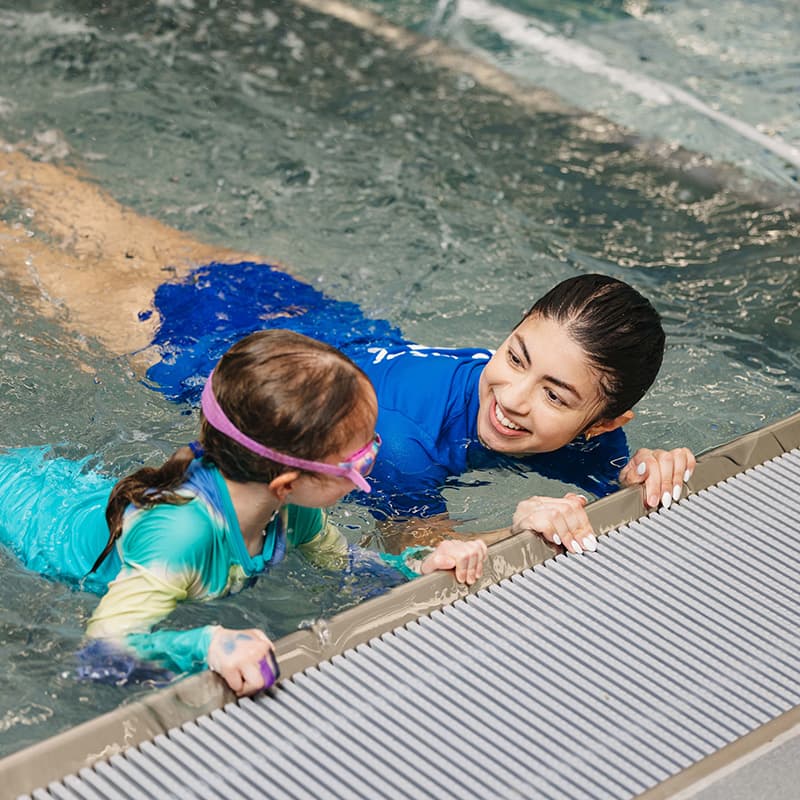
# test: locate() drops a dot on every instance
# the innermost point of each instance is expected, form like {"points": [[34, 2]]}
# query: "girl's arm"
{"points": [[327, 547], [173, 553], [136, 601], [465, 557]]}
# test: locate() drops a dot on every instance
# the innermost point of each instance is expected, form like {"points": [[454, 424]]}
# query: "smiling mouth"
{"points": [[503, 424]]}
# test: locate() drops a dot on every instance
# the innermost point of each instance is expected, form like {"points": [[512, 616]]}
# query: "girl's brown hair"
{"points": [[287, 391]]}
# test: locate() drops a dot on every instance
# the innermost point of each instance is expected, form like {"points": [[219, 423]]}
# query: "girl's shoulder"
{"points": [[303, 524], [168, 533]]}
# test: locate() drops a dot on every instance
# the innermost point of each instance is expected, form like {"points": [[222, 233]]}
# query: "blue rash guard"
{"points": [[427, 397], [430, 436], [52, 516]]}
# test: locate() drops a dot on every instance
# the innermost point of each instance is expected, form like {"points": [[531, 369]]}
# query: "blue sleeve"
{"points": [[406, 479]]}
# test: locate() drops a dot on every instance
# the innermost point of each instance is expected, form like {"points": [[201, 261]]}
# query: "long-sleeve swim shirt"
{"points": [[52, 516], [428, 419], [195, 551]]}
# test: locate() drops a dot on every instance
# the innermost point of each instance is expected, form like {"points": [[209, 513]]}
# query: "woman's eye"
{"points": [[514, 358], [553, 397]]}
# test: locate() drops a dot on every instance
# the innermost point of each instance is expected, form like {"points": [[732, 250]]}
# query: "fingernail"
{"points": [[652, 501], [666, 500], [556, 539], [584, 498], [576, 548], [590, 542], [687, 475], [676, 493], [641, 469]]}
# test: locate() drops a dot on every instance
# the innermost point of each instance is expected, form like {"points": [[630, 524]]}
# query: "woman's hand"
{"points": [[244, 658], [465, 557], [561, 520], [663, 473]]}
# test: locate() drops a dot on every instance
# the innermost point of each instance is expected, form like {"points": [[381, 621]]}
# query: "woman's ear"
{"points": [[283, 485], [606, 425]]}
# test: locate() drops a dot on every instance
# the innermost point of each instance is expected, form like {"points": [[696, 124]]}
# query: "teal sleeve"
{"points": [[165, 561], [177, 651], [407, 562], [175, 539]]}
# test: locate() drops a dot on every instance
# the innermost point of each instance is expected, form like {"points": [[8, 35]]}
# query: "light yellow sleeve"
{"points": [[136, 600], [328, 549]]}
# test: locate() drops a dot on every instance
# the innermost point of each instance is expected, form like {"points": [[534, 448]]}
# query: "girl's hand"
{"points": [[663, 473], [561, 520], [244, 658], [465, 557]]}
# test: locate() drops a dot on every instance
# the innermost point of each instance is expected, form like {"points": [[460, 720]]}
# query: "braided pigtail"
{"points": [[145, 488]]}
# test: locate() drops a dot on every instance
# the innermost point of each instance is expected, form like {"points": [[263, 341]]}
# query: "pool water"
{"points": [[422, 194]]}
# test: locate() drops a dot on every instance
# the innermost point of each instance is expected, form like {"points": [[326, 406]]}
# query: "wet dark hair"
{"points": [[618, 329], [287, 391]]}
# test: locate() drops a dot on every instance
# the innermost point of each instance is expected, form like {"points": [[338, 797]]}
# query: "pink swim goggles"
{"points": [[355, 468]]}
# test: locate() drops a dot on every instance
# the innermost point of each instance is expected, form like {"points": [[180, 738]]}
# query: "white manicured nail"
{"points": [[666, 500], [556, 539], [590, 542], [676, 493], [641, 469], [584, 498], [687, 475], [576, 548]]}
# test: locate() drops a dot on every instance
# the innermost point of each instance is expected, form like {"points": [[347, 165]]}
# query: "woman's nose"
{"points": [[517, 398]]}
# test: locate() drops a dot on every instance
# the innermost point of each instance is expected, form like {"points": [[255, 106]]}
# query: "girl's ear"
{"points": [[606, 425], [283, 485]]}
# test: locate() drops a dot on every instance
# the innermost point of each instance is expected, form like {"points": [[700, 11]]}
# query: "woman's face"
{"points": [[538, 391]]}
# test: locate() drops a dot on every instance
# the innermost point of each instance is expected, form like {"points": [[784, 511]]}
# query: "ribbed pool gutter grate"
{"points": [[594, 676]]}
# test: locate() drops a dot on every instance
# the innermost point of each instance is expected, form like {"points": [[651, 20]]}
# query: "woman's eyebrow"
{"points": [[564, 385], [521, 343], [568, 387]]}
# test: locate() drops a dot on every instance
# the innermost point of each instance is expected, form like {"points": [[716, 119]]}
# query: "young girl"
{"points": [[287, 427]]}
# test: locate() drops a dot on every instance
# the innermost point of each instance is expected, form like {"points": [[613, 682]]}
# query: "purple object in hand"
{"points": [[269, 671]]}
